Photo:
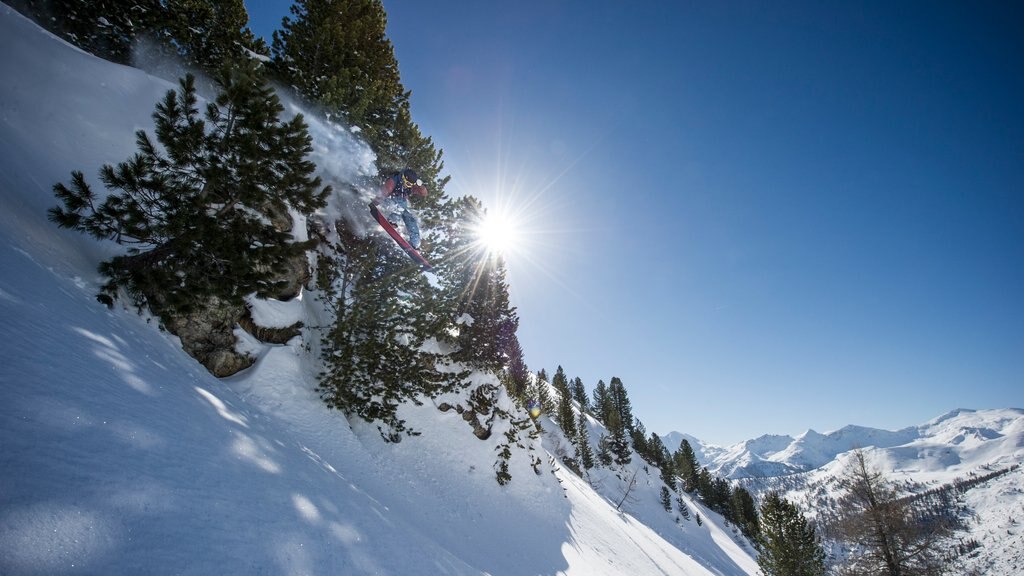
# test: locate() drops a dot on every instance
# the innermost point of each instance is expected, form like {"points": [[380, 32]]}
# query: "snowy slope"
{"points": [[119, 454]]}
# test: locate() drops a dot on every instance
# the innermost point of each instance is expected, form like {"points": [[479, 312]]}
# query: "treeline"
{"points": [[622, 435]]}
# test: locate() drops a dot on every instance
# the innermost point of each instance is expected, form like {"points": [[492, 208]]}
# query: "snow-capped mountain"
{"points": [[960, 438], [960, 445]]}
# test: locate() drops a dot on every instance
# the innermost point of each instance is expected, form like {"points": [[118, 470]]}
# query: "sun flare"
{"points": [[498, 233]]}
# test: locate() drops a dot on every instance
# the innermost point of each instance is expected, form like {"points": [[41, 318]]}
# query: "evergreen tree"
{"points": [[374, 355], [721, 495], [205, 214], [662, 459], [602, 402], [686, 466], [336, 53], [205, 33], [705, 486], [583, 449], [566, 414], [209, 34], [618, 440], [788, 545], [542, 393], [579, 394], [666, 499], [743, 512], [611, 403], [684, 510], [517, 373], [638, 434], [620, 400], [604, 450], [106, 28]]}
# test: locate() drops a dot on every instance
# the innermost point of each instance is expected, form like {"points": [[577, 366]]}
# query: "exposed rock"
{"points": [[207, 334], [269, 335]]}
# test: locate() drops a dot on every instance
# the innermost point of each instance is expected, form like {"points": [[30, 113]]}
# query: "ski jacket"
{"points": [[392, 188]]}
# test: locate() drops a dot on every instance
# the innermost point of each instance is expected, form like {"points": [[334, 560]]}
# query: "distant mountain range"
{"points": [[961, 439]]}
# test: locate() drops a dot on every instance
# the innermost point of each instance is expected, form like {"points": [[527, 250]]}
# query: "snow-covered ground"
{"points": [[119, 454]]}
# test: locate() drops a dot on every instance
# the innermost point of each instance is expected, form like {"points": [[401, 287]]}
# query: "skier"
{"points": [[395, 191]]}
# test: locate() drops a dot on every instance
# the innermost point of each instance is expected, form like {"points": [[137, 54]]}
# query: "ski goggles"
{"points": [[407, 184]]}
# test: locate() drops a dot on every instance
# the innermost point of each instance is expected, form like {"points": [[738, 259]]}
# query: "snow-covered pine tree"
{"points": [[203, 209], [336, 53], [666, 499], [208, 34], [105, 28], [373, 354]]}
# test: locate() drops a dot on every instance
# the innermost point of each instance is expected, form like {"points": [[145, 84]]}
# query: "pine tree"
{"points": [[583, 449], [666, 499], [788, 545], [566, 414], [612, 403], [686, 466], [579, 394], [206, 33], [517, 374], [209, 34], [618, 441], [374, 355], [638, 434], [662, 459], [620, 400], [105, 28], [743, 512], [684, 510], [604, 450], [542, 392], [205, 214], [602, 402], [475, 288], [336, 53]]}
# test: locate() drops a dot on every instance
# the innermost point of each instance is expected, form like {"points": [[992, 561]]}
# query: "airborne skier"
{"points": [[393, 204], [395, 192]]}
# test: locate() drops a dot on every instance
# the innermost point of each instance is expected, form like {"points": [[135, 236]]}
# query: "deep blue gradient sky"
{"points": [[763, 217]]}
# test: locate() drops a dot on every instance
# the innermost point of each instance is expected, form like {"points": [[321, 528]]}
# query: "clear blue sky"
{"points": [[762, 216]]}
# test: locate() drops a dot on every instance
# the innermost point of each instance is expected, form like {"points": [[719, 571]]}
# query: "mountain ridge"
{"points": [[777, 455]]}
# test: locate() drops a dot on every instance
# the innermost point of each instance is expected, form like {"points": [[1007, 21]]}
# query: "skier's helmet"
{"points": [[410, 178]]}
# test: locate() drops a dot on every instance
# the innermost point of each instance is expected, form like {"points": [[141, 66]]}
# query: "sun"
{"points": [[498, 233]]}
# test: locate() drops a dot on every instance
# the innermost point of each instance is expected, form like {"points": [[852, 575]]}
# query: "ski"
{"points": [[402, 242]]}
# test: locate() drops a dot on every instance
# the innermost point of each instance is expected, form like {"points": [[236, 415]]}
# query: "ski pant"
{"points": [[395, 207]]}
